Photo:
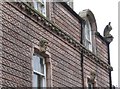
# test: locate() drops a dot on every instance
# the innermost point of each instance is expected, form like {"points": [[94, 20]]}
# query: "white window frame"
{"points": [[40, 6], [88, 38], [39, 73]]}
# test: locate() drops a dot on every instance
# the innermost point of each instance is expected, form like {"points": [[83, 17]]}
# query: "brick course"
{"points": [[20, 32]]}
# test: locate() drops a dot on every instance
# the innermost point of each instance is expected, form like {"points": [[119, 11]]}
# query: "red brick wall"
{"points": [[0, 49], [102, 78], [19, 33], [102, 51], [65, 20], [16, 60]]}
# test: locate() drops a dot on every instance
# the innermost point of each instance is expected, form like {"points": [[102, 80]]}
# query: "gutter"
{"points": [[82, 59], [110, 82]]}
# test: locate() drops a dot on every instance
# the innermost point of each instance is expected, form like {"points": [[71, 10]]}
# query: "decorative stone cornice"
{"points": [[52, 28]]}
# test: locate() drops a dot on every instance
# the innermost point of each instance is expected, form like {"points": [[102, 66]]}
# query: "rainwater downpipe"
{"points": [[110, 82], [82, 61]]}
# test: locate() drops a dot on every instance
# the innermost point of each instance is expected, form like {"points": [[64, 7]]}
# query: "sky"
{"points": [[104, 11]]}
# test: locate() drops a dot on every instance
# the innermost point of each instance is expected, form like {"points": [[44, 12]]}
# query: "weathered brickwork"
{"points": [[66, 21], [20, 32], [102, 74], [102, 52], [101, 46], [1, 34]]}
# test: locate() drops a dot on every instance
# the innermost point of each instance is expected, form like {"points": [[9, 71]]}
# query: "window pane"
{"points": [[87, 31], [88, 34], [43, 10], [39, 70], [41, 65], [38, 64], [35, 5], [88, 37], [90, 84], [40, 81], [40, 6], [35, 81], [87, 43]]}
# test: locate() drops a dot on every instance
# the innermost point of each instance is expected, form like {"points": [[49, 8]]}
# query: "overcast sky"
{"points": [[104, 11]]}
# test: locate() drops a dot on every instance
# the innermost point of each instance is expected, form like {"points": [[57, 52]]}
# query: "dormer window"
{"points": [[87, 35], [88, 30]]}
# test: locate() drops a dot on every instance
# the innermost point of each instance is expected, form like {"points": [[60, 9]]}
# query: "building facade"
{"points": [[47, 44]]}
